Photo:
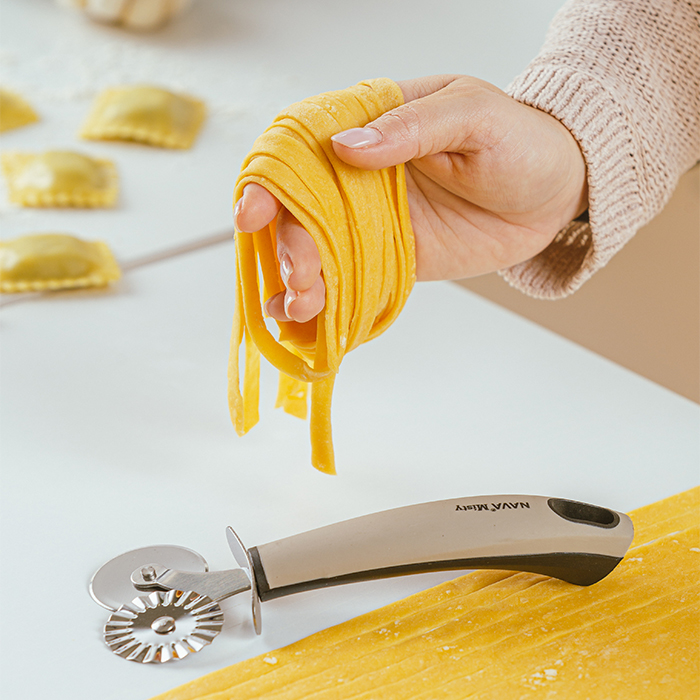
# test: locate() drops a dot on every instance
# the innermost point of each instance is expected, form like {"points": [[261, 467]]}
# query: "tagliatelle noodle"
{"points": [[360, 222]]}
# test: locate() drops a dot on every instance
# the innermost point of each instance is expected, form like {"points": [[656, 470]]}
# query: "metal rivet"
{"points": [[148, 573], [163, 625]]}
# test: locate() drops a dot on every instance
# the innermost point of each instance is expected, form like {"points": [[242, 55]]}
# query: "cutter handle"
{"points": [[576, 542]]}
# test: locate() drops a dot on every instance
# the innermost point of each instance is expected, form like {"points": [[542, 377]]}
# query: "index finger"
{"points": [[255, 209], [416, 88]]}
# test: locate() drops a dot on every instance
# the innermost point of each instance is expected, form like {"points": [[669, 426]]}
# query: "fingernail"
{"points": [[237, 211], [358, 138], [289, 297], [266, 306], [286, 268]]}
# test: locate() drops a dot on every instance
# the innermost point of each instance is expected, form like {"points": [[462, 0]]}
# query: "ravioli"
{"points": [[15, 111], [145, 114], [48, 261], [360, 222], [60, 179]]}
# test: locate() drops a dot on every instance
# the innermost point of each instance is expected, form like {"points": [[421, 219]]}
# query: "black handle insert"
{"points": [[584, 513]]}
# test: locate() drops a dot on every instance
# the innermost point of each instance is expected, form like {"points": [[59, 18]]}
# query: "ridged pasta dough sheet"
{"points": [[360, 222], [495, 634]]}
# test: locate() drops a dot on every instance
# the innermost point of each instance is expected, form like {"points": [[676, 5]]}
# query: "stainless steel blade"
{"points": [[217, 585]]}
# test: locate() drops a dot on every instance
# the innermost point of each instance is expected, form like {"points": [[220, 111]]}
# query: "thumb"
{"points": [[432, 124]]}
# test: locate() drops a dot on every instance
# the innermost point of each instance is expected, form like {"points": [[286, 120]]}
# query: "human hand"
{"points": [[490, 183]]}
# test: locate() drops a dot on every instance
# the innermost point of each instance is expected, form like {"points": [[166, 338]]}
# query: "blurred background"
{"points": [[114, 429], [642, 311]]}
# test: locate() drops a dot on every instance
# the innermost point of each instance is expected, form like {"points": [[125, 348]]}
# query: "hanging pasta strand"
{"points": [[251, 384], [322, 456], [235, 397], [360, 222], [292, 396]]}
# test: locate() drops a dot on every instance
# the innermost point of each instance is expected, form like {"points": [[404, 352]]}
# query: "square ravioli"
{"points": [[147, 115], [48, 261], [15, 111], [59, 179]]}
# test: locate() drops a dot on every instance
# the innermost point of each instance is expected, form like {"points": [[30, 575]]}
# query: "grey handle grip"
{"points": [[576, 542]]}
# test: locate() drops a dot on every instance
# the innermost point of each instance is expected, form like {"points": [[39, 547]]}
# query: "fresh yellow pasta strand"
{"points": [[244, 407], [301, 338], [360, 206], [405, 256], [339, 295], [273, 351], [292, 396], [251, 384], [235, 398], [322, 456], [359, 221], [263, 243]]}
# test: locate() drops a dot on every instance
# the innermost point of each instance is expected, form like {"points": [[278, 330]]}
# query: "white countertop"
{"points": [[114, 425]]}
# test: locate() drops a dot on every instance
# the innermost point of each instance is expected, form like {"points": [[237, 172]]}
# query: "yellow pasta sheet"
{"points": [[361, 225], [494, 635]]}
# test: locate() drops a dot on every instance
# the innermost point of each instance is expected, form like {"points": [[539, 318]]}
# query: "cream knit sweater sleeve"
{"points": [[624, 77]]}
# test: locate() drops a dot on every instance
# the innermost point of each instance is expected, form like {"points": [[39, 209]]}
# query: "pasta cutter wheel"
{"points": [[163, 626], [575, 542]]}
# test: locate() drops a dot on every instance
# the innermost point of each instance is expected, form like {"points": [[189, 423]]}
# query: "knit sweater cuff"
{"points": [[616, 202]]}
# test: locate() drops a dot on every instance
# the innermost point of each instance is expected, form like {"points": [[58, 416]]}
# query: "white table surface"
{"points": [[114, 426]]}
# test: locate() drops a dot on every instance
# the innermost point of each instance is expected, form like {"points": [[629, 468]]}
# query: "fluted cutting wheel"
{"points": [[163, 627]]}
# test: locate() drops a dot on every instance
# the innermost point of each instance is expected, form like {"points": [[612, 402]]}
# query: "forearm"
{"points": [[624, 77]]}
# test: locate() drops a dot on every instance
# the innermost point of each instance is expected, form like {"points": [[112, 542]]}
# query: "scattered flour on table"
{"points": [[91, 58]]}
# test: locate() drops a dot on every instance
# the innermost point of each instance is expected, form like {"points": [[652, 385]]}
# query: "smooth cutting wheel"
{"points": [[162, 627]]}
